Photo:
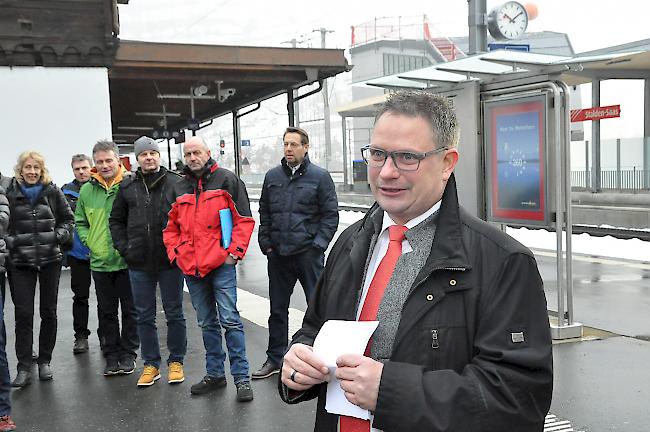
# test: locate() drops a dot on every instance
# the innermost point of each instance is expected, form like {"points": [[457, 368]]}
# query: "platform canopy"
{"points": [[501, 66], [152, 85]]}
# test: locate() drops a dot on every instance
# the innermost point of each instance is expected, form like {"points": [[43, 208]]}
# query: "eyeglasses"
{"points": [[403, 160]]}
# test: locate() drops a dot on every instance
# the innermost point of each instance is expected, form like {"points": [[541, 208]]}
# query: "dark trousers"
{"points": [[284, 271], [23, 290], [114, 291], [80, 284], [5, 387]]}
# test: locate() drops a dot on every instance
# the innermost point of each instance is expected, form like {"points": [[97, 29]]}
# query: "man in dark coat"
{"points": [[137, 222], [298, 218], [463, 341], [78, 258]]}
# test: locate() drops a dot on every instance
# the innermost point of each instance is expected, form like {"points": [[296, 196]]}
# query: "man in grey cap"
{"points": [[136, 222]]}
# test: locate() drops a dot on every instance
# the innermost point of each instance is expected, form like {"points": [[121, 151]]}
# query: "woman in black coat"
{"points": [[40, 227]]}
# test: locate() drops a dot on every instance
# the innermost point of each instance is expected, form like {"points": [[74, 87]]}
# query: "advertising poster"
{"points": [[516, 149]]}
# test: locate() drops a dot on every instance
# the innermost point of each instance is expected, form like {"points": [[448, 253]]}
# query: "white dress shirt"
{"points": [[381, 247]]}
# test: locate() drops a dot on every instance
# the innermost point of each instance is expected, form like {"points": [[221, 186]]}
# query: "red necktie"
{"points": [[371, 306]]}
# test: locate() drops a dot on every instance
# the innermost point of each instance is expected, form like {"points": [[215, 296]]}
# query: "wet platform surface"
{"points": [[601, 385]]}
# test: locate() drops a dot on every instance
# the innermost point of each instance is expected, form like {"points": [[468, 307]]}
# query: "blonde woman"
{"points": [[40, 227]]}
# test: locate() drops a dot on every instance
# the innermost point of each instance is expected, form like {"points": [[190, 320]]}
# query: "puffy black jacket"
{"points": [[36, 232], [297, 211], [138, 218], [473, 347], [5, 182]]}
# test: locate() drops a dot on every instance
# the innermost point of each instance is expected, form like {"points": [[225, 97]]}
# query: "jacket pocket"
{"points": [[444, 347], [307, 193]]}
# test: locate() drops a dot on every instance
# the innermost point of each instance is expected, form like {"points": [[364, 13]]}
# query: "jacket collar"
{"points": [[448, 250], [94, 175], [209, 167], [303, 166]]}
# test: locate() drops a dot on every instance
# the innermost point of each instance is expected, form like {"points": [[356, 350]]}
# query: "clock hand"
{"points": [[505, 15], [516, 16]]}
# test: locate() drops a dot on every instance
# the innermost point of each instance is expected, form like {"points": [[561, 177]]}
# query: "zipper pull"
{"points": [[434, 339]]}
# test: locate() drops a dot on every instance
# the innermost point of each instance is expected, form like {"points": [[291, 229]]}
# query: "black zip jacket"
{"points": [[36, 232], [473, 348], [298, 211], [138, 218], [5, 182]]}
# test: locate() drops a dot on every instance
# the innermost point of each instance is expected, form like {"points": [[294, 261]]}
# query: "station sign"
{"points": [[245, 143], [596, 113]]}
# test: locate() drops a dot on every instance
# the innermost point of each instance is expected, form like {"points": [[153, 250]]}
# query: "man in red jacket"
{"points": [[196, 238]]}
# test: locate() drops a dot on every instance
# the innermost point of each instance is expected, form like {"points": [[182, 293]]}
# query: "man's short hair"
{"points": [[304, 137], [106, 146], [433, 108], [80, 158]]}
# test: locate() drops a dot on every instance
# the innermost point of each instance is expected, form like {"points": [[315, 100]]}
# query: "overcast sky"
{"points": [[590, 24]]}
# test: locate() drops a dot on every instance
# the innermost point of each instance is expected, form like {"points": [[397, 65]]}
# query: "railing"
{"points": [[624, 180]]}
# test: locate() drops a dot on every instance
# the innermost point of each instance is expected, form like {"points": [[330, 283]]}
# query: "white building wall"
{"points": [[56, 111]]}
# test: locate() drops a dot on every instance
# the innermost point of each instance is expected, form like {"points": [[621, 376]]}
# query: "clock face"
{"points": [[508, 21]]}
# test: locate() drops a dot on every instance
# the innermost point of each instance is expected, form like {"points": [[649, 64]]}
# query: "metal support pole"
{"points": [[477, 23], [618, 163], [345, 153], [587, 177], [236, 133], [646, 134], [326, 109], [559, 206], [169, 155], [595, 139], [290, 111], [574, 329]]}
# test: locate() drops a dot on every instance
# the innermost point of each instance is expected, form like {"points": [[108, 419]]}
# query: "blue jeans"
{"points": [[143, 286], [5, 388], [220, 287]]}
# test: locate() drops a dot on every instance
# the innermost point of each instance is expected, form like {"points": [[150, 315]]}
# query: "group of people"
{"points": [[463, 341], [135, 233]]}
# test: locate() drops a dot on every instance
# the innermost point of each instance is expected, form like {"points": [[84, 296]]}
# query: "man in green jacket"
{"points": [[108, 268]]}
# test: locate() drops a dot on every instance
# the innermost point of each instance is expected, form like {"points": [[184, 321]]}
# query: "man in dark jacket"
{"points": [[78, 258], [298, 218], [208, 231], [137, 221], [463, 341]]}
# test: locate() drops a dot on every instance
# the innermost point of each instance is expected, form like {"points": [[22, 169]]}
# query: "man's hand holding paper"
{"points": [[305, 367]]}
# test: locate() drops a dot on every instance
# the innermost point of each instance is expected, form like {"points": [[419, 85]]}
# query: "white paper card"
{"points": [[335, 339]]}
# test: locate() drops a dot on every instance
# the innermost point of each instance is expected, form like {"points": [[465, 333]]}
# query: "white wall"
{"points": [[56, 111]]}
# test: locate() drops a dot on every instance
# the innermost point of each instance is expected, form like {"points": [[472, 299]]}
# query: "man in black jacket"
{"points": [[298, 218], [78, 258], [136, 222], [463, 341]]}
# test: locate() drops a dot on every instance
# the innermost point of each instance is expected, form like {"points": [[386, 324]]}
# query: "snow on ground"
{"points": [[633, 249]]}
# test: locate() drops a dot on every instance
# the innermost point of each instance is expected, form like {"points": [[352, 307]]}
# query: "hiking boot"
{"points": [[244, 391], [127, 365], [175, 373], [149, 376], [23, 379], [80, 345], [208, 384], [7, 424], [112, 367], [44, 372], [266, 370]]}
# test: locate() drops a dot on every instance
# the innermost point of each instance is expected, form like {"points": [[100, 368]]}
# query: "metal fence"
{"points": [[631, 180]]}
